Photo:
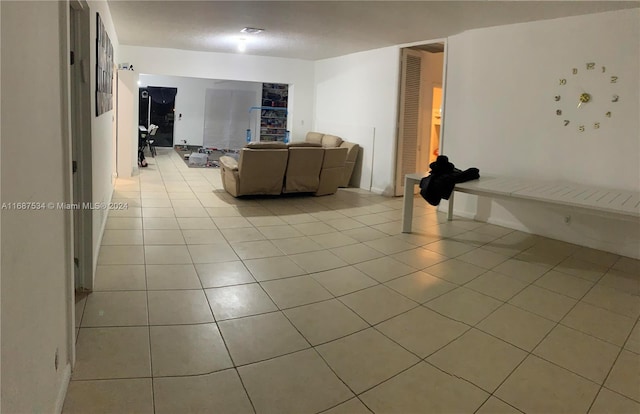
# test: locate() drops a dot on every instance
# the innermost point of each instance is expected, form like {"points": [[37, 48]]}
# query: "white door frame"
{"points": [[443, 112], [76, 107], [81, 145], [399, 178]]}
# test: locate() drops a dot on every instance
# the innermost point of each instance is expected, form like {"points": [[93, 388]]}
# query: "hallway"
{"points": [[206, 303]]}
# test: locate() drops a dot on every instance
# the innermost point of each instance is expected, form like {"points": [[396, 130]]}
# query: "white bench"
{"points": [[595, 200]]}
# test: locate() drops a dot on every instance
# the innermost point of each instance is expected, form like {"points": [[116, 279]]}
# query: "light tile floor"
{"points": [[301, 304]]}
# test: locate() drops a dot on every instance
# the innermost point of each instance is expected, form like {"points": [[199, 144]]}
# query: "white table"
{"points": [[595, 200]]}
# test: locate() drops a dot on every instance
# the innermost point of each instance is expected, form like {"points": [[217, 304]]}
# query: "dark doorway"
{"points": [[157, 106]]}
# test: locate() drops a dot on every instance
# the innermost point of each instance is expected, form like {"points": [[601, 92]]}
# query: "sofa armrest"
{"points": [[352, 156], [229, 175], [229, 163], [352, 150], [332, 170]]}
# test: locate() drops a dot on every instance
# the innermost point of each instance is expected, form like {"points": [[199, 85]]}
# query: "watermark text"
{"points": [[44, 205]]}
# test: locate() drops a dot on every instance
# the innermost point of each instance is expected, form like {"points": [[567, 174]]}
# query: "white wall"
{"points": [[190, 102], [36, 279], [37, 311], [102, 130], [500, 117], [297, 73], [357, 99]]}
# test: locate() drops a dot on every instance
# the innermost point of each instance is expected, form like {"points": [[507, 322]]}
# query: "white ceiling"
{"points": [[321, 29]]}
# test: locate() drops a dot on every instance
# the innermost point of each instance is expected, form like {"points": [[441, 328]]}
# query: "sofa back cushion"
{"points": [[266, 145], [261, 171], [304, 144], [331, 141], [315, 137], [334, 157], [303, 169]]}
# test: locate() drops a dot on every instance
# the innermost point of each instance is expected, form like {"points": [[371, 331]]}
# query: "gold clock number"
{"points": [[614, 79], [566, 122], [558, 112], [604, 69], [591, 65], [575, 71], [563, 81], [596, 125], [608, 114], [581, 128], [615, 98], [556, 98]]}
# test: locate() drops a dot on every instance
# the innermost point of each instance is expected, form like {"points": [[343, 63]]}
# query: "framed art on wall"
{"points": [[104, 69]]}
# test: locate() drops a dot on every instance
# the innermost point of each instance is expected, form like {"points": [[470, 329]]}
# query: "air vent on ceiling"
{"points": [[251, 30]]}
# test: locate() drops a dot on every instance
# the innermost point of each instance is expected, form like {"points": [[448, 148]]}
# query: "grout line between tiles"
{"points": [[615, 361], [146, 284]]}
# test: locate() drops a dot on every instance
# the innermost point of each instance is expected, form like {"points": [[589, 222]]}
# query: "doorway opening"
{"points": [[421, 100], [157, 106]]}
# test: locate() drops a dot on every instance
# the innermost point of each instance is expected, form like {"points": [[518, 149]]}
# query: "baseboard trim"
{"points": [[64, 386]]}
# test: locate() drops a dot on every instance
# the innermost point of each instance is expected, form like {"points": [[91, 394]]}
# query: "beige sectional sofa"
{"points": [[272, 168], [332, 141]]}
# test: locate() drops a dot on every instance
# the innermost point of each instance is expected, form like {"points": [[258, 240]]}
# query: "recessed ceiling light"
{"points": [[251, 30]]}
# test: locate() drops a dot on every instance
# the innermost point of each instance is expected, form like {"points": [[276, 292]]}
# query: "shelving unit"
{"points": [[273, 116], [273, 123]]}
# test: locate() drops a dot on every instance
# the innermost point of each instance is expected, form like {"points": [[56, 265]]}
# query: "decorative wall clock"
{"points": [[586, 97]]}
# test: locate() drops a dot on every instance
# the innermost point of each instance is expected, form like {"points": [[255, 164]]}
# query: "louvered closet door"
{"points": [[409, 117]]}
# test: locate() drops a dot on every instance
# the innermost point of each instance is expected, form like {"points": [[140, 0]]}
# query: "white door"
{"points": [[80, 104], [409, 117]]}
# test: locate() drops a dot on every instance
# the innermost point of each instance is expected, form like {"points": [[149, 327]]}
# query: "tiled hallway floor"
{"points": [[206, 303]]}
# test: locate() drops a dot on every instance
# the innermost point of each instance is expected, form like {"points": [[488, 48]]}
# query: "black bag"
{"points": [[442, 179]]}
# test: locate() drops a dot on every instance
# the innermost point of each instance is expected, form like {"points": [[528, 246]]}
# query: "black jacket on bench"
{"points": [[442, 179]]}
